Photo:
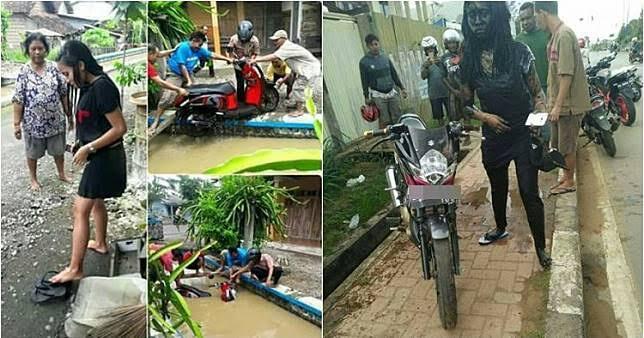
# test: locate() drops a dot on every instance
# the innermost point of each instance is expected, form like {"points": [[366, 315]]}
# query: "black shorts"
{"points": [[437, 107], [105, 174], [262, 273]]}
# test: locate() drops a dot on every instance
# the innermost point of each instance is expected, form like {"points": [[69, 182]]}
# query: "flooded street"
{"points": [[248, 316], [185, 154]]}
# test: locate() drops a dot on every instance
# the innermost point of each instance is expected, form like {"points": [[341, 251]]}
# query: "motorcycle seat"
{"points": [[223, 88]]}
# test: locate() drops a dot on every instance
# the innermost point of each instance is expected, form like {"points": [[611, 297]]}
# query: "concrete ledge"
{"points": [[563, 325], [565, 316], [620, 281], [340, 265]]}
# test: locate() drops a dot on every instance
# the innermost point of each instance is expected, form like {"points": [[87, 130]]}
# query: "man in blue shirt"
{"points": [[232, 260], [186, 57]]}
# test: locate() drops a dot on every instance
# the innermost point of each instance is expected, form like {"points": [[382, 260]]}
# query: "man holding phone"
{"points": [[434, 74]]}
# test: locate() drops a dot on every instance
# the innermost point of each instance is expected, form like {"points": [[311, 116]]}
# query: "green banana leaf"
{"points": [[271, 159]]}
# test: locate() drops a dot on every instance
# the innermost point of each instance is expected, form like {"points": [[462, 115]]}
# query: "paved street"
{"points": [[495, 295], [623, 174]]}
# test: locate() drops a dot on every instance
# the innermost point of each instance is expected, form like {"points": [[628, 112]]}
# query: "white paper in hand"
{"points": [[536, 119]]}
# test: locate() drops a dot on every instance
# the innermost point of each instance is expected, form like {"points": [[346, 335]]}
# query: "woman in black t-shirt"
{"points": [[501, 72], [99, 134]]}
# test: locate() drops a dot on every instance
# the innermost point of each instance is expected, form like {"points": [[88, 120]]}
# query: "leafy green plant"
{"points": [[253, 202], [111, 25], [241, 203], [209, 221], [168, 311], [129, 75], [278, 159], [169, 23], [53, 54], [5, 14], [15, 55], [97, 37]]}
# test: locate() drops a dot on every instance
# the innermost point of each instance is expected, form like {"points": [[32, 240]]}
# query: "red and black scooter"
{"points": [[207, 106]]}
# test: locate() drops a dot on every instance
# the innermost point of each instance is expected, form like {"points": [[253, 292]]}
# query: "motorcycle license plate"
{"points": [[427, 195]]}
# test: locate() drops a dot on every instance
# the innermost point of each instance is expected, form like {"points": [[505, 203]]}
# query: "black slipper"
{"points": [[45, 291], [493, 236]]}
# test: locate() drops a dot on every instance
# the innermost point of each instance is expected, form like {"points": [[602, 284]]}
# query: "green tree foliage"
{"points": [[97, 37], [168, 23], [5, 26], [209, 222], [629, 31], [221, 213]]}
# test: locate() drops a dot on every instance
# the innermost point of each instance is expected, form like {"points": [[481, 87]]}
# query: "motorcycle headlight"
{"points": [[433, 166]]}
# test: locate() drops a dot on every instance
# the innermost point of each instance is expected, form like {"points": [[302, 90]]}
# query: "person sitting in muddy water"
{"points": [[181, 255], [279, 73], [39, 101], [98, 149], [262, 267], [169, 91], [231, 260], [186, 57]]}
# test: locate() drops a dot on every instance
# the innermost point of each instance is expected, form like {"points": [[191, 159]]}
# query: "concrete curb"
{"points": [[620, 280], [565, 317]]}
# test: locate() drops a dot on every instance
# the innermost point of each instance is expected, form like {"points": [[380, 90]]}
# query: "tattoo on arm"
{"points": [[535, 89]]}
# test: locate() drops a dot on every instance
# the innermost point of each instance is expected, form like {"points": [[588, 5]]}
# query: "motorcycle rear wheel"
{"points": [[608, 142], [631, 111], [445, 284]]}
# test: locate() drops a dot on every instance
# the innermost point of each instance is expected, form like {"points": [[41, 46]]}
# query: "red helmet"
{"points": [[370, 112], [581, 42]]}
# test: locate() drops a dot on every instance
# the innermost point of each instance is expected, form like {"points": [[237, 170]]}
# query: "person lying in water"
{"points": [[262, 268]]}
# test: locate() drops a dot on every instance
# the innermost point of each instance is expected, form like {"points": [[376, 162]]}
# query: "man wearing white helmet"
{"points": [[451, 60], [434, 74]]}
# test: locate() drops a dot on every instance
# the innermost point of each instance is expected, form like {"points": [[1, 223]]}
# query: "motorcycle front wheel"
{"points": [[445, 284], [608, 142], [270, 100]]}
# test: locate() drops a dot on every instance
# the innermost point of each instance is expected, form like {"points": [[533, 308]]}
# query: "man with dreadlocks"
{"points": [[501, 72]]}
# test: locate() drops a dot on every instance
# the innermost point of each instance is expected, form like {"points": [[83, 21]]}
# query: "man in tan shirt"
{"points": [[568, 97]]}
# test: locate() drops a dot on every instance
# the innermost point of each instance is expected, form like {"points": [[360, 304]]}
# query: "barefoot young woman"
{"points": [[99, 131]]}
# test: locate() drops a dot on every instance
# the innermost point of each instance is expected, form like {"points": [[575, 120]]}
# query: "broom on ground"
{"points": [[126, 322]]}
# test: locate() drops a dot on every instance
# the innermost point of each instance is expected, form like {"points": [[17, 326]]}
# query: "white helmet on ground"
{"points": [[452, 35], [428, 42]]}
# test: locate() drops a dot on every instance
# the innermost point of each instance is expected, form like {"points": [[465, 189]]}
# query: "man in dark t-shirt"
{"points": [[379, 79]]}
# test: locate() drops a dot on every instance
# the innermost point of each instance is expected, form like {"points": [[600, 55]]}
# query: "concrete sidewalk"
{"points": [[390, 298]]}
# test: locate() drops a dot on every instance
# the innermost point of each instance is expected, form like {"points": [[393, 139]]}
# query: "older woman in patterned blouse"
{"points": [[38, 105]]}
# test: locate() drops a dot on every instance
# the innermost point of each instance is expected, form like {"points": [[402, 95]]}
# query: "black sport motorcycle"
{"points": [[616, 88], [421, 184], [597, 127]]}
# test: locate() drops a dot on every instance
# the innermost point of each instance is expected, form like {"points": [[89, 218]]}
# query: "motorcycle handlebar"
{"points": [[376, 132]]}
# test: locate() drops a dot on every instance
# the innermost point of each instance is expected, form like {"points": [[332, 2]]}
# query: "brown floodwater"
{"points": [[169, 154], [248, 316]]}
